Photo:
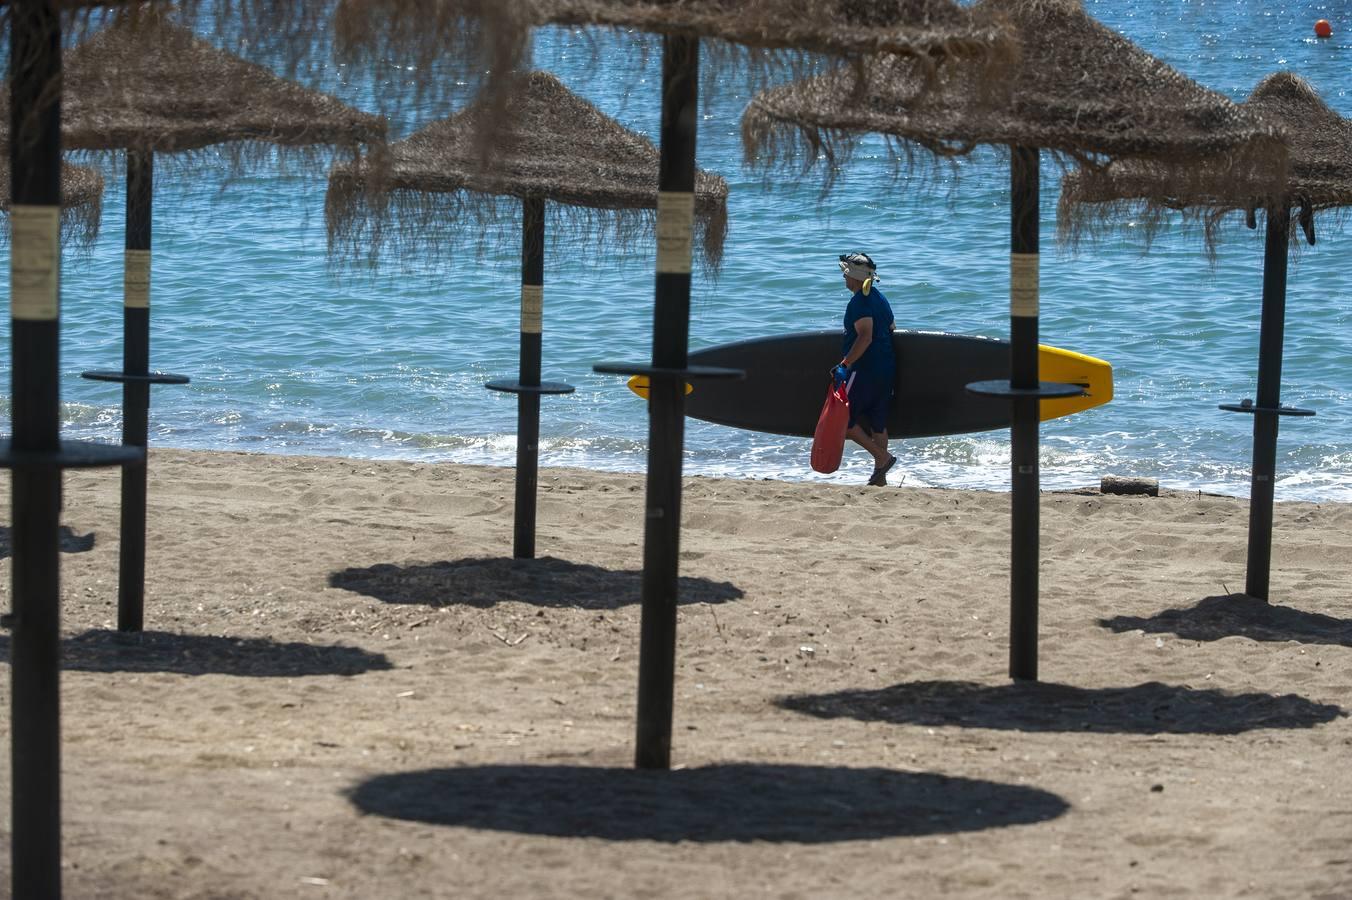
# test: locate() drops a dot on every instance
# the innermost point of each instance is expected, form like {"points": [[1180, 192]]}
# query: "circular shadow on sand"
{"points": [[1151, 708], [734, 802], [198, 654], [541, 582], [1239, 615]]}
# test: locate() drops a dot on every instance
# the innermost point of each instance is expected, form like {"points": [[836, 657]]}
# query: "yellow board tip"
{"points": [[639, 385], [1055, 364]]}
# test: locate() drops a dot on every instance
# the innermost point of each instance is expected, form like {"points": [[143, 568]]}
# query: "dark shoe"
{"points": [[877, 479]]}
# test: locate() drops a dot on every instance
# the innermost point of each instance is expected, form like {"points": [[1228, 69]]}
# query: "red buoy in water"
{"points": [[1323, 29]]}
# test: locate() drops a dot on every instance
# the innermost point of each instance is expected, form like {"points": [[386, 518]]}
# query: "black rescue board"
{"points": [[787, 378]]}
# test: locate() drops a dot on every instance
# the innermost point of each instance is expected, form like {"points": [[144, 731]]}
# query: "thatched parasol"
{"points": [[776, 30], [451, 43], [1318, 172], [1318, 178], [81, 199], [146, 85], [1080, 91], [130, 82], [150, 85], [563, 150], [36, 452], [431, 190]]}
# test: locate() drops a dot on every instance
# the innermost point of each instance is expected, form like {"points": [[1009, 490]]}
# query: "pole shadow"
{"points": [[1239, 615], [484, 582], [1150, 708], [709, 804], [200, 654], [70, 542]]}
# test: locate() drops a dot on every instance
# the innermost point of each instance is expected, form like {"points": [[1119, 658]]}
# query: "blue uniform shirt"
{"points": [[878, 362]]}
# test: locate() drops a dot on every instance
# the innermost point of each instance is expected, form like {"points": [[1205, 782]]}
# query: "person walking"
{"points": [[867, 349]]}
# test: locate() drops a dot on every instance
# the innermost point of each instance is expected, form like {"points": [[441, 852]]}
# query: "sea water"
{"points": [[288, 356]]}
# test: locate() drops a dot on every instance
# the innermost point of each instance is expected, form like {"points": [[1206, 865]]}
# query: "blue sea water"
{"points": [[286, 357]]}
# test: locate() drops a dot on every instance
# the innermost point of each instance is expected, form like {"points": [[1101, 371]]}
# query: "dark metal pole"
{"points": [[35, 278], [135, 392], [666, 406], [528, 402], [1023, 338], [1265, 421]]}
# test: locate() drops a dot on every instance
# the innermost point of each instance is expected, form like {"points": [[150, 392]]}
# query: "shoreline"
{"points": [[857, 476], [347, 688]]}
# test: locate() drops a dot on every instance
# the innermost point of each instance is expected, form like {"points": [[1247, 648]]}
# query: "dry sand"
{"points": [[347, 688]]}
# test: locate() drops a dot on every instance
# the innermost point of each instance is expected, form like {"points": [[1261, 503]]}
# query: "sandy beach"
{"points": [[348, 688]]}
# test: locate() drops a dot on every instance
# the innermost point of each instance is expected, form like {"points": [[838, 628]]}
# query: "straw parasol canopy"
{"points": [[1318, 172], [930, 28], [559, 148], [81, 199], [1079, 90], [1318, 177], [145, 83], [294, 38], [450, 43], [925, 28], [788, 33]]}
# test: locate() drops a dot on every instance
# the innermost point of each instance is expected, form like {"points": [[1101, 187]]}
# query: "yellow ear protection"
{"points": [[854, 261]]}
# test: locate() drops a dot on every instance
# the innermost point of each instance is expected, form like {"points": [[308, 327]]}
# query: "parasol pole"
{"points": [[668, 373], [1267, 414], [528, 387], [136, 378], [35, 279], [1023, 339], [36, 453], [135, 394], [528, 403], [666, 406], [1025, 392]]}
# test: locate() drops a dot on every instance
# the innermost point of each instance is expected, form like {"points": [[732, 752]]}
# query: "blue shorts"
{"points": [[870, 400]]}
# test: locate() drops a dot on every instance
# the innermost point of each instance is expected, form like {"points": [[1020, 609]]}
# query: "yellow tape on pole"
{"points": [[532, 308], [675, 227], [1023, 284], [136, 279], [35, 263]]}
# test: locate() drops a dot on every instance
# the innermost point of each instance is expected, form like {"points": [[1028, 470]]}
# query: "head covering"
{"points": [[859, 266]]}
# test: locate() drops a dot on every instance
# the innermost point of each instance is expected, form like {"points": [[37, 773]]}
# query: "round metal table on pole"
{"points": [[1024, 390], [35, 454], [136, 379], [1267, 411], [529, 388], [666, 401], [145, 85]]}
